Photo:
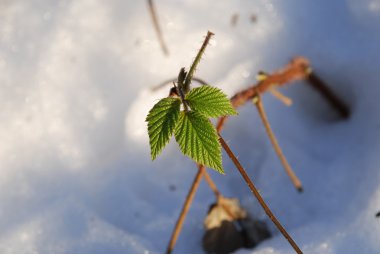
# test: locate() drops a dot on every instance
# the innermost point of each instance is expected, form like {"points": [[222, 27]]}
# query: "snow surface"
{"points": [[75, 79]]}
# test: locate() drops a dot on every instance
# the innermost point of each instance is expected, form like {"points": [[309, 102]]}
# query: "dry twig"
{"points": [[153, 14], [276, 146]]}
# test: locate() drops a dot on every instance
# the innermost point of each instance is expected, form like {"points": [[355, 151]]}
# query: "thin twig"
{"points": [[256, 193], [189, 199], [153, 14], [185, 209], [281, 97], [211, 183], [297, 69], [276, 146], [319, 85]]}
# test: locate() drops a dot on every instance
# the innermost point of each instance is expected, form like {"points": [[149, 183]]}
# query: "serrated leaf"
{"points": [[162, 120], [210, 102], [198, 139]]}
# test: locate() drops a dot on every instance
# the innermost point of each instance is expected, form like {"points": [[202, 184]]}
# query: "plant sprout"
{"points": [[193, 131]]}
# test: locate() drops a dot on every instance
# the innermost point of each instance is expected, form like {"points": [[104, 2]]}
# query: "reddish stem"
{"points": [[185, 209], [258, 196]]}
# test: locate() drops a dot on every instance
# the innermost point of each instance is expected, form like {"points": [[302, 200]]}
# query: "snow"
{"points": [[75, 79]]}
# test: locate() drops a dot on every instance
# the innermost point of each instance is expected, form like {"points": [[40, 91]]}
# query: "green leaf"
{"points": [[209, 101], [162, 120], [199, 140]]}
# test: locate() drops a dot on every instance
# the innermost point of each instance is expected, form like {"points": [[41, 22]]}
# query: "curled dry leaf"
{"points": [[229, 227]]}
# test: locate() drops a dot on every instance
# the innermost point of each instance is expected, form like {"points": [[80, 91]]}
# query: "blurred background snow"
{"points": [[75, 79]]}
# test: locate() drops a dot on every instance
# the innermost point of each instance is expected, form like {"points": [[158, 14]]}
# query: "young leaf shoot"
{"points": [[196, 136]]}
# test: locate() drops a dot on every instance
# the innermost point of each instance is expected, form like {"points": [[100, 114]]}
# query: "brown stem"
{"points": [[278, 95], [260, 108], [153, 14], [185, 208], [189, 199], [319, 85], [297, 69], [210, 183], [258, 196]]}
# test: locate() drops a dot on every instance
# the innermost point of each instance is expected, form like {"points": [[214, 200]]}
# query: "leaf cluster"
{"points": [[193, 131]]}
